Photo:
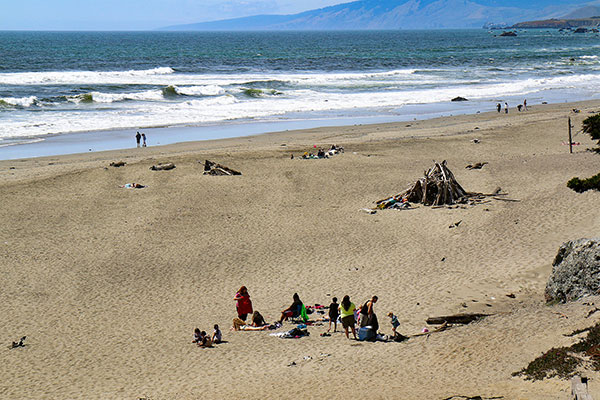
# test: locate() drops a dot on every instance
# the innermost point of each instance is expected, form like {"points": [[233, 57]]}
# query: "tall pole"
{"points": [[570, 140]]}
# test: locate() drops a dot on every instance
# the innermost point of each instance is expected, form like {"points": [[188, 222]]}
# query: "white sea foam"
{"points": [[81, 77], [217, 98], [208, 90], [18, 101]]}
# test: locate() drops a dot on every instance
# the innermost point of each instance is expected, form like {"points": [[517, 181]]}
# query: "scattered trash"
{"points": [[19, 343], [368, 211], [132, 186], [212, 168], [476, 141], [511, 295], [478, 165], [162, 167], [454, 225]]}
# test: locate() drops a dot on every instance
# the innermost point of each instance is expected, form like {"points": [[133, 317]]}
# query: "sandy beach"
{"points": [[108, 284]]}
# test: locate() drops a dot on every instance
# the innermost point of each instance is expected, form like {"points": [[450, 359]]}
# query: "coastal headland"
{"points": [[108, 283]]}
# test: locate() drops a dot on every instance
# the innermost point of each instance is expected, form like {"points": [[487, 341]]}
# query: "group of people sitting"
{"points": [[202, 339], [362, 319], [321, 153]]}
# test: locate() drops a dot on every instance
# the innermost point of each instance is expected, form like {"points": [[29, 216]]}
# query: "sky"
{"points": [[137, 14]]}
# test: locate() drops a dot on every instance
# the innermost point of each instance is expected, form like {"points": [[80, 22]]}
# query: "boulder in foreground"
{"points": [[575, 271]]}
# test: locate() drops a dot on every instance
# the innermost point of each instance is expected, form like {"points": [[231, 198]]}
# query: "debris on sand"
{"points": [[211, 168], [162, 167]]}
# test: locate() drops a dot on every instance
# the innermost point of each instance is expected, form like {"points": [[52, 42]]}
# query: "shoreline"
{"points": [[62, 144], [80, 255]]}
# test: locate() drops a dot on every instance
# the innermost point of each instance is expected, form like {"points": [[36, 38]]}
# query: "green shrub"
{"points": [[581, 185], [591, 126], [563, 362], [555, 362]]}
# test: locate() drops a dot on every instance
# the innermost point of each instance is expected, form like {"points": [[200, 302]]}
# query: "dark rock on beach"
{"points": [[575, 271], [459, 99]]}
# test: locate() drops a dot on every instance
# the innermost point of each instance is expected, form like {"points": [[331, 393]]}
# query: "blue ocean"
{"points": [[63, 82]]}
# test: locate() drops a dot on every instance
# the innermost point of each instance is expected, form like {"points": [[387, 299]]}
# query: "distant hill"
{"points": [[399, 14], [584, 12], [588, 16], [558, 24]]}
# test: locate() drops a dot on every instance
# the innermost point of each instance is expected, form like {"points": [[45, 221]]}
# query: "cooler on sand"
{"points": [[366, 333]]}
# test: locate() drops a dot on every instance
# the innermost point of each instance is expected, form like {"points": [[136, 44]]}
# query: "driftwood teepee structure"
{"points": [[437, 187]]}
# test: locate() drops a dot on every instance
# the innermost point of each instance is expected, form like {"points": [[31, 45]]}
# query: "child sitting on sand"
{"points": [[217, 336], [206, 340], [334, 313], [197, 336], [395, 323]]}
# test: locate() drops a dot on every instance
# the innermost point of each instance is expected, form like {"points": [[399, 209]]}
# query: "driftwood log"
{"points": [[579, 389], [456, 319], [162, 167], [212, 168]]}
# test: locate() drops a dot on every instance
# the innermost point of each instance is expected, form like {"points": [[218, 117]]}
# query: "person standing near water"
{"points": [[499, 107], [143, 140], [525, 104], [506, 108], [138, 137]]}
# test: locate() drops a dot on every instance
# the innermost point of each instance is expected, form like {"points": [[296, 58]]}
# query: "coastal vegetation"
{"points": [[583, 185], [563, 362], [591, 126]]}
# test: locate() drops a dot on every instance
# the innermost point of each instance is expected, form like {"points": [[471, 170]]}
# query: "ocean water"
{"points": [[64, 82]]}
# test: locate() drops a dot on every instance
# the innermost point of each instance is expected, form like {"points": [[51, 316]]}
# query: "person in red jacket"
{"points": [[243, 303]]}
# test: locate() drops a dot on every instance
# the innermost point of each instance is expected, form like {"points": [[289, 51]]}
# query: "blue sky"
{"points": [[137, 14]]}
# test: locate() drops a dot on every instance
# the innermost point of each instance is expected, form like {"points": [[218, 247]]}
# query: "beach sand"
{"points": [[109, 283]]}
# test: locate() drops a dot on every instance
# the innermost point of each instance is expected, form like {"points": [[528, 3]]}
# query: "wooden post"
{"points": [[570, 139], [579, 389]]}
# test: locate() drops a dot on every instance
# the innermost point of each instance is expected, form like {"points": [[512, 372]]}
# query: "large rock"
{"points": [[575, 271]]}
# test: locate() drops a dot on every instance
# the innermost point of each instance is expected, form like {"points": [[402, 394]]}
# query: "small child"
{"points": [[217, 336], [197, 336], [395, 323], [206, 340], [334, 313]]}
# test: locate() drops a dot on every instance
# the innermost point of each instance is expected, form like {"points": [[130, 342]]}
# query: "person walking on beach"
{"points": [[506, 108], [499, 107], [243, 303], [334, 313], [143, 140], [347, 313], [525, 104], [138, 137]]}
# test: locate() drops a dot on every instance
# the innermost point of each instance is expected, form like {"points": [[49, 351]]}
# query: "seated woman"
{"points": [[257, 319], [292, 311], [239, 325]]}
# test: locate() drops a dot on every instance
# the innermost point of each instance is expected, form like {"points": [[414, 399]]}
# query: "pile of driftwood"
{"points": [[437, 188], [211, 168]]}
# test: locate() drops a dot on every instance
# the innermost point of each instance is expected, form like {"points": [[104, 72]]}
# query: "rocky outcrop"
{"points": [[575, 271]]}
